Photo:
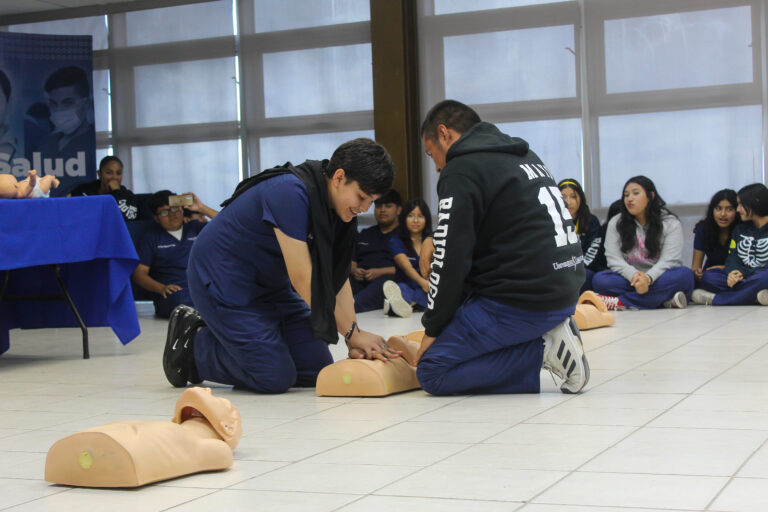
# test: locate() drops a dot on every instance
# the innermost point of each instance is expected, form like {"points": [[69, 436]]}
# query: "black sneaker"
{"points": [[178, 355]]}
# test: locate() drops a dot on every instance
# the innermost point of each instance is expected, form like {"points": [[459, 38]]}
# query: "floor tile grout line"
{"points": [[733, 476], [637, 429]]}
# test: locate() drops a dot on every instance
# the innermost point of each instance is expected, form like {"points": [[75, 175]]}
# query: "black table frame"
{"points": [[64, 295]]}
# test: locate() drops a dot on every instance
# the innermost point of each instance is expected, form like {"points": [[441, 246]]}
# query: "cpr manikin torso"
{"points": [[32, 186], [204, 431]]}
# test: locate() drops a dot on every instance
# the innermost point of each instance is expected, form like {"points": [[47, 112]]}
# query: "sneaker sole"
{"points": [[762, 297], [569, 342], [396, 301], [174, 375]]}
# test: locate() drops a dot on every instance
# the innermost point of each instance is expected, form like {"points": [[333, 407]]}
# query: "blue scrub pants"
{"points": [[487, 348], [678, 279], [744, 293], [590, 274], [266, 347], [413, 294], [369, 296], [164, 306]]}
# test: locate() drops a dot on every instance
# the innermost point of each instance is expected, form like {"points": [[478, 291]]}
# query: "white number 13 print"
{"points": [[553, 200]]}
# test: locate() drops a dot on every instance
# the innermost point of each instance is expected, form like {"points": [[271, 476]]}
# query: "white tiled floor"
{"points": [[674, 418]]}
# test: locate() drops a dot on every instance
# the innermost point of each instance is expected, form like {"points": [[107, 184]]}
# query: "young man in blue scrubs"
{"points": [[269, 276], [507, 266], [372, 263], [164, 252]]}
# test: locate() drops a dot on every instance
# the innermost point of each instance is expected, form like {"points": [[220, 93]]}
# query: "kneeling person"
{"points": [[164, 253], [269, 276], [504, 236]]}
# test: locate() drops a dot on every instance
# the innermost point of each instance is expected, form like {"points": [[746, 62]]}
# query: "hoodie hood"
{"points": [[485, 137]]}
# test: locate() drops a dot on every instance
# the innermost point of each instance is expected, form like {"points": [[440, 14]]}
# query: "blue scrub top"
{"points": [[372, 248], [237, 256], [715, 255], [396, 247], [166, 256]]}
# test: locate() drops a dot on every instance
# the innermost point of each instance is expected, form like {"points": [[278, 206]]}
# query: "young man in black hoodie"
{"points": [[269, 276], [507, 266]]}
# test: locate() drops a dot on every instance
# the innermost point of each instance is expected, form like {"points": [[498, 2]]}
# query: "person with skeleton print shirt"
{"points": [[745, 280]]}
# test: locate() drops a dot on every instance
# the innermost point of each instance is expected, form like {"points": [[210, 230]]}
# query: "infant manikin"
{"points": [[32, 186]]}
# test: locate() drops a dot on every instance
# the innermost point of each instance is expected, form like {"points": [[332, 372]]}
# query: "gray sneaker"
{"points": [[397, 304], [762, 297], [564, 356], [703, 297], [678, 301]]}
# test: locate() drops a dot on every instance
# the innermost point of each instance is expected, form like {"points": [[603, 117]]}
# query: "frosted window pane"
{"points": [[318, 81], [276, 151], [95, 27], [688, 154], [101, 106], [516, 65], [671, 51], [182, 23], [557, 142], [287, 14], [209, 169], [200, 91], [449, 6]]}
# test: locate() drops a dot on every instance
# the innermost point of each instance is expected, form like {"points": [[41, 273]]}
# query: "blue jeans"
{"points": [[744, 293], [488, 347], [678, 279]]}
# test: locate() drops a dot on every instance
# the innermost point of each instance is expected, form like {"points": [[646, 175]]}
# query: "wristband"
{"points": [[350, 332]]}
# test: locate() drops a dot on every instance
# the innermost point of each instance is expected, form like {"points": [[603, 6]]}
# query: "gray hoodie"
{"points": [[627, 263]]}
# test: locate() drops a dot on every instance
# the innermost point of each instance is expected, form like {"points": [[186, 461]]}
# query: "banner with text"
{"points": [[46, 108]]}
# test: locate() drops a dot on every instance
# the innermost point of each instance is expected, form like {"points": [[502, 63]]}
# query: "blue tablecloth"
{"points": [[88, 237]]}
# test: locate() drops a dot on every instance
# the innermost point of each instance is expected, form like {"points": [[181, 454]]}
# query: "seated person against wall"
{"points": [[644, 249], [409, 288], [712, 235], [372, 263], [745, 279], [110, 182], [587, 227], [164, 252]]}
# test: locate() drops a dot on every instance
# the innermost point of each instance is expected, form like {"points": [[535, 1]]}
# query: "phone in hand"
{"points": [[184, 200]]}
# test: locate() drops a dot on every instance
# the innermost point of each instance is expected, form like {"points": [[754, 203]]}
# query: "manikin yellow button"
{"points": [[85, 459]]}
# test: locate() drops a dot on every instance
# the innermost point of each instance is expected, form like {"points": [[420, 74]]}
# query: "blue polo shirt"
{"points": [[238, 258], [372, 248], [167, 257]]}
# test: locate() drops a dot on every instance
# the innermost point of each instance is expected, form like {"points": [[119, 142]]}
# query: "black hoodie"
{"points": [[503, 230]]}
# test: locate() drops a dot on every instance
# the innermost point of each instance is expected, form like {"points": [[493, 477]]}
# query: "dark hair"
{"points": [[583, 215], [654, 211], [69, 75], [614, 209], [711, 228], [5, 84], [453, 114], [365, 162], [158, 200], [111, 158], [402, 228], [391, 197], [754, 199]]}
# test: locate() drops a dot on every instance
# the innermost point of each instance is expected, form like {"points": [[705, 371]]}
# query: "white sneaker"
{"points": [[564, 356], [678, 301], [762, 297], [703, 297], [387, 307], [397, 303]]}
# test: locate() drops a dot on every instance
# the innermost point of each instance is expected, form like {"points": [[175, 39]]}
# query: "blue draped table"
{"points": [[88, 238]]}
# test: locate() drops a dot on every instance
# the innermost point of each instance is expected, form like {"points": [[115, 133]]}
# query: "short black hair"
{"points": [[5, 85], [365, 162], [391, 197], [69, 75], [453, 114], [158, 200], [110, 158], [754, 199]]}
